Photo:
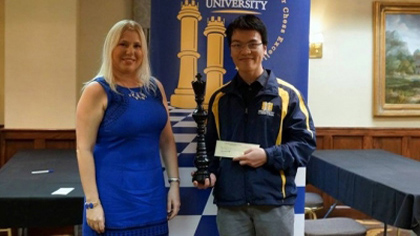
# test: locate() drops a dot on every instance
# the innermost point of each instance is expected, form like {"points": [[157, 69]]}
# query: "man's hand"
{"points": [[254, 157], [208, 183]]}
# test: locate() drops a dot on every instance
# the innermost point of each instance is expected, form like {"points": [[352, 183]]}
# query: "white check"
{"points": [[229, 149]]}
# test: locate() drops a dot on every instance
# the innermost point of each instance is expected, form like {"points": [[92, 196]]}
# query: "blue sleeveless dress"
{"points": [[129, 172]]}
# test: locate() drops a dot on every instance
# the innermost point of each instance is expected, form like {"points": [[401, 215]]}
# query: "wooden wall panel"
{"points": [[12, 147], [391, 144], [405, 141], [402, 141], [346, 142], [60, 144], [320, 141], [414, 147], [12, 141]]}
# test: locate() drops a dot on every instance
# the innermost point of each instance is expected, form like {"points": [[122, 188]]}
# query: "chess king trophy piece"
{"points": [[201, 162]]}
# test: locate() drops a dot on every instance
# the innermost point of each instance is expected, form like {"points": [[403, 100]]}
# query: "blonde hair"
{"points": [[111, 41]]}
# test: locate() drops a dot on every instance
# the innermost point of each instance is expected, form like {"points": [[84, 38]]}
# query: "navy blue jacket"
{"points": [[279, 121]]}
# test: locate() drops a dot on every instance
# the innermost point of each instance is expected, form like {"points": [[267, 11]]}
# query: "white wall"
{"points": [[2, 61], [51, 48], [40, 64], [95, 19], [341, 82]]}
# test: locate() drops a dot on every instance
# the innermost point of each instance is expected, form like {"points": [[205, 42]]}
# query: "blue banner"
{"points": [[187, 37]]}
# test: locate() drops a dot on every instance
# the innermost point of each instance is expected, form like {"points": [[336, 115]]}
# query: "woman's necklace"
{"points": [[137, 95]]}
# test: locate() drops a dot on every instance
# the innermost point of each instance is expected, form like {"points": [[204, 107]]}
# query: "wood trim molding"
{"points": [[372, 131], [12, 140], [402, 141]]}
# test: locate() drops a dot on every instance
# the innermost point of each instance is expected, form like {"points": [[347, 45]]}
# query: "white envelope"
{"points": [[229, 149]]}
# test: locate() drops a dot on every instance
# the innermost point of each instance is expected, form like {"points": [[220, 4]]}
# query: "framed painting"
{"points": [[396, 60]]}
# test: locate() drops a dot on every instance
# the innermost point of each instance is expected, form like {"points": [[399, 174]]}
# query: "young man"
{"points": [[255, 192]]}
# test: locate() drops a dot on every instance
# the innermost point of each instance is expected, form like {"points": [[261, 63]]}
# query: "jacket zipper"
{"points": [[248, 201]]}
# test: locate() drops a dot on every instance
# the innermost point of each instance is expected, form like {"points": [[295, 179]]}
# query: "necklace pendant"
{"points": [[137, 95]]}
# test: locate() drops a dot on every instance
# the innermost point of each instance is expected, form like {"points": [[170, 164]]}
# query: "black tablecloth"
{"points": [[25, 198], [380, 184]]}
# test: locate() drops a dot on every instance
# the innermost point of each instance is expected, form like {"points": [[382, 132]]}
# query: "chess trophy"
{"points": [[201, 162]]}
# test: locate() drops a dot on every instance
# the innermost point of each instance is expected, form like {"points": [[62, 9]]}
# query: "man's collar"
{"points": [[262, 79]]}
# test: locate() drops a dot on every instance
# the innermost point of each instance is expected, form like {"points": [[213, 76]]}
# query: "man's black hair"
{"points": [[247, 22]]}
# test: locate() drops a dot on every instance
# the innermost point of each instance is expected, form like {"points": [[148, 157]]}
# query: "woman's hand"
{"points": [[174, 202], [96, 219]]}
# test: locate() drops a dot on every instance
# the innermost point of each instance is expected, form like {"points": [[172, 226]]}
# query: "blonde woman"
{"points": [[122, 127]]}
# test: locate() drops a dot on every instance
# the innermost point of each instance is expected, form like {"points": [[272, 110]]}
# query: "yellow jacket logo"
{"points": [[266, 109]]}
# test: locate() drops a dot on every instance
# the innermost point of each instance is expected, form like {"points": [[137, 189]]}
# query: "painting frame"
{"points": [[393, 95]]}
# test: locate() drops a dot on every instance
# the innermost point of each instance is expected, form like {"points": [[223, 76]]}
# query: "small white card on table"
{"points": [[62, 191]]}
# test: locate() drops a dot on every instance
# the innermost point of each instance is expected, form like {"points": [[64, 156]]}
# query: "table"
{"points": [[378, 183], [25, 198]]}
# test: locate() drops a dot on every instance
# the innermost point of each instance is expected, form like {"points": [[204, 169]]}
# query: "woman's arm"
{"points": [[89, 113], [169, 156]]}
